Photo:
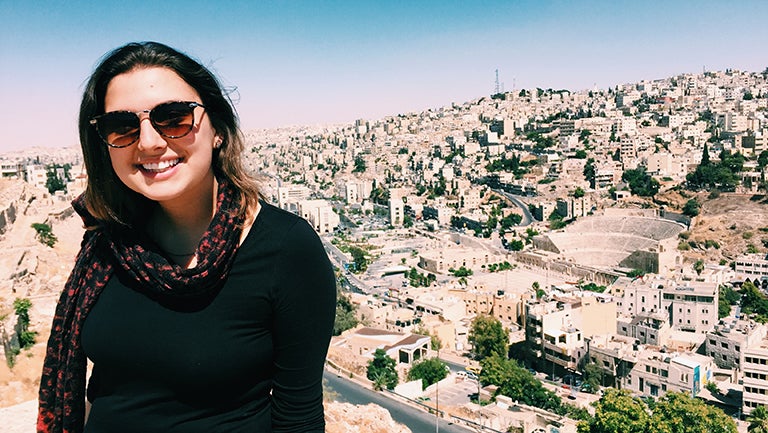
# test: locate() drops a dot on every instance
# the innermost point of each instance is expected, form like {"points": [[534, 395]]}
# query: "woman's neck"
{"points": [[178, 229]]}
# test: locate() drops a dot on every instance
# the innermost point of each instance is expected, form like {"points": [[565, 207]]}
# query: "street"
{"points": [[418, 420]]}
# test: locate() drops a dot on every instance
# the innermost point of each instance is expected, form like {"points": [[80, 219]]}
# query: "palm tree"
{"points": [[758, 420]]}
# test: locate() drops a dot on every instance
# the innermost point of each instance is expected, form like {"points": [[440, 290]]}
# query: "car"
{"points": [[572, 380], [472, 376], [473, 369]]}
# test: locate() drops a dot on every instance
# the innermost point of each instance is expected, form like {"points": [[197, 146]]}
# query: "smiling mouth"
{"points": [[159, 167]]}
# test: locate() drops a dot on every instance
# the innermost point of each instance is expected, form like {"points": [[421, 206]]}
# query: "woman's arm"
{"points": [[304, 312]]}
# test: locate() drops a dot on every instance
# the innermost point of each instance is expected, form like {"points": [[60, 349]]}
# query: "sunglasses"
{"points": [[170, 119]]}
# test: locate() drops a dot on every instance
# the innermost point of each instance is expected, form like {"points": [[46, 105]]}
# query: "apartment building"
{"points": [[687, 305], [288, 197], [656, 373], [725, 343], [396, 208], [556, 332], [692, 307], [355, 191], [651, 329], [753, 268], [754, 365], [441, 261], [320, 215]]}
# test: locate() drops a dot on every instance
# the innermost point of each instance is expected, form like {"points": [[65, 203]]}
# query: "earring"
{"points": [[217, 142]]}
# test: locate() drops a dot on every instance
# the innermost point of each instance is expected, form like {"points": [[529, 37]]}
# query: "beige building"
{"points": [[442, 260], [657, 373], [403, 348], [752, 267], [693, 307], [730, 337], [685, 305], [556, 330], [288, 197], [320, 214], [754, 364]]}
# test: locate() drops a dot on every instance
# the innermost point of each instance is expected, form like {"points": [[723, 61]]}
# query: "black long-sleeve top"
{"points": [[249, 360]]}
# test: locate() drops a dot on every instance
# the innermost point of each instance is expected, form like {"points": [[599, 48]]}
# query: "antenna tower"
{"points": [[497, 89]]}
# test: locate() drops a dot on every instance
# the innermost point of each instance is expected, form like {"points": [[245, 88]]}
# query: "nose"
{"points": [[149, 138]]}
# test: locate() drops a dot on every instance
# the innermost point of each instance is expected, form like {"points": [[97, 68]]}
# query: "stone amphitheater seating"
{"points": [[607, 240]]}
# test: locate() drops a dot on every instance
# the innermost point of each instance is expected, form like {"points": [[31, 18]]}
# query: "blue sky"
{"points": [[302, 62]]}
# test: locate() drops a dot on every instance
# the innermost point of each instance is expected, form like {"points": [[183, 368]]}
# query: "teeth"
{"points": [[160, 166]]}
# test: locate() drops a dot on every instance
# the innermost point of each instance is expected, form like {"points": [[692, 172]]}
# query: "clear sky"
{"points": [[302, 62]]}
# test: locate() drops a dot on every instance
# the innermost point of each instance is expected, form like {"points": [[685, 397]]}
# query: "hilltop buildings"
{"points": [[420, 194]]}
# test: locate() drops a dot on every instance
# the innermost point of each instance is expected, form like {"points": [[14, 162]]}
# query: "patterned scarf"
{"points": [[62, 387]]}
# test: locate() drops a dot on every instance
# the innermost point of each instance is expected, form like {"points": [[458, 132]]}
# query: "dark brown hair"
{"points": [[107, 198]]}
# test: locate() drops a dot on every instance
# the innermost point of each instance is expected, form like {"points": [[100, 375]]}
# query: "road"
{"points": [[418, 420], [527, 216]]}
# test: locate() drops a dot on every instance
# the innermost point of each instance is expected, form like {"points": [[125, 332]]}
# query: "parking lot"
{"points": [[455, 393]]}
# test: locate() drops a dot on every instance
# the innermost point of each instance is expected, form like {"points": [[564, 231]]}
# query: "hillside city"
{"points": [[574, 221]]}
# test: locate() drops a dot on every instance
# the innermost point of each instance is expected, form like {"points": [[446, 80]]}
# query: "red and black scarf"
{"points": [[104, 250]]}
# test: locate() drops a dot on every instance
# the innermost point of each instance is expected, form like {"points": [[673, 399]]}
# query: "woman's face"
{"points": [[171, 171]]}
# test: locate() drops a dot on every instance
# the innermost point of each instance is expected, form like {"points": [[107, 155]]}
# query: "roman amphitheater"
{"points": [[618, 239]]}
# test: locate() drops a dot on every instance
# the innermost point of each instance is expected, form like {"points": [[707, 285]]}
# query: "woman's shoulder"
{"points": [[280, 222]]}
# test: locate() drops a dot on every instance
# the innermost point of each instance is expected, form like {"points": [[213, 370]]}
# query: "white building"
{"points": [[288, 197], [320, 214]]}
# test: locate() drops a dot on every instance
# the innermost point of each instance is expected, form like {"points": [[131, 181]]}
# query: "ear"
{"points": [[217, 142]]}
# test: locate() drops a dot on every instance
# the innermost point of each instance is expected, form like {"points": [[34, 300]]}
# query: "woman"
{"points": [[202, 308]]}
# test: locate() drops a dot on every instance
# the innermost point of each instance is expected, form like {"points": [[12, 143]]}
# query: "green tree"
{"points": [[53, 182], [617, 412], [726, 299], [44, 234], [753, 301], [359, 164], [698, 266], [429, 370], [461, 272], [758, 420], [578, 192], [593, 376], [345, 313], [590, 172], [510, 220], [359, 258], [21, 307], [691, 208], [762, 159], [488, 336], [679, 412], [516, 245], [381, 370], [517, 383], [640, 182]]}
